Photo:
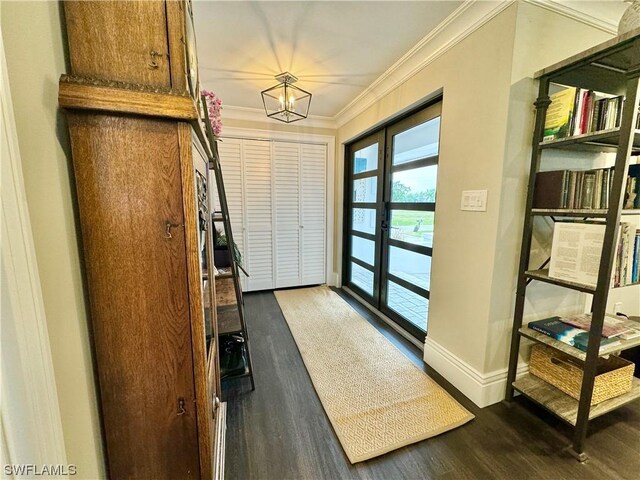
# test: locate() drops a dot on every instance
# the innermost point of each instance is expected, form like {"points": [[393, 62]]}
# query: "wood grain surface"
{"points": [[198, 346], [128, 183], [73, 95], [116, 40]]}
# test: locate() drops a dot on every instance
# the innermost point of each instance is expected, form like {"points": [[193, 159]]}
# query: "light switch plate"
{"points": [[474, 201]]}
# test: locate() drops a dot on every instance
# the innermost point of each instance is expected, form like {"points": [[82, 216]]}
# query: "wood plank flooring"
{"points": [[280, 431]]}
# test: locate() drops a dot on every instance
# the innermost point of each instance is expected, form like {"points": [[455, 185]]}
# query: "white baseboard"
{"points": [[482, 389]]}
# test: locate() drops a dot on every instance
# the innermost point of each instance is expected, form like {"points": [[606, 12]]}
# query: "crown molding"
{"points": [[574, 14], [258, 115], [465, 20]]}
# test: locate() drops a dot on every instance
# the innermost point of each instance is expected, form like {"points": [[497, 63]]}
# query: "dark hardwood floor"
{"points": [[280, 430]]}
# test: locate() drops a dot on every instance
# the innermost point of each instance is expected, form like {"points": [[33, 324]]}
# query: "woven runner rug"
{"points": [[376, 399]]}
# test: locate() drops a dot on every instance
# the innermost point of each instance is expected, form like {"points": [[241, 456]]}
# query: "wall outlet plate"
{"points": [[474, 201]]}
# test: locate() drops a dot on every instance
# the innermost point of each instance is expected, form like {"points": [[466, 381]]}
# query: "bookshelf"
{"points": [[614, 68]]}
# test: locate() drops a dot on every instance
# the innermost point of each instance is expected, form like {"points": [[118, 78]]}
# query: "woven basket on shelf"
{"points": [[565, 373]]}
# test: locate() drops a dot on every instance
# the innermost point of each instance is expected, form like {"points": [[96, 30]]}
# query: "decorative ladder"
{"points": [[236, 326]]}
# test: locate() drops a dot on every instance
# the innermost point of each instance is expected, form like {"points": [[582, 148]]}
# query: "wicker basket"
{"points": [[614, 374]]}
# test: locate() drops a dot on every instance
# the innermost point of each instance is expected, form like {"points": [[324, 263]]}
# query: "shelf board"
{"points": [[543, 276], [578, 212], [229, 320], [576, 352], [566, 407], [221, 276], [602, 141]]}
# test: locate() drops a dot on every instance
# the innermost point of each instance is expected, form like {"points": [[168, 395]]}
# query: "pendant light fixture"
{"points": [[285, 101]]}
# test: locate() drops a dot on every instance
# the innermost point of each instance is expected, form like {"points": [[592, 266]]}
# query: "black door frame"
{"points": [[383, 206]]}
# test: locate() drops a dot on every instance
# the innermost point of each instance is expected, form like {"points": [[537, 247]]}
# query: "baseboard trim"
{"points": [[404, 334], [482, 389]]}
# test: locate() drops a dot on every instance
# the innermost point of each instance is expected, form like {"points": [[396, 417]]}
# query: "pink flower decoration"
{"points": [[214, 107]]}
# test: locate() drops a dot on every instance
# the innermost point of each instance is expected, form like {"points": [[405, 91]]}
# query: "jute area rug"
{"points": [[375, 398]]}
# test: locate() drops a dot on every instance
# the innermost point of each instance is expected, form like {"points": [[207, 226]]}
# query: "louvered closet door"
{"points": [[312, 213], [286, 180], [258, 214], [230, 151]]}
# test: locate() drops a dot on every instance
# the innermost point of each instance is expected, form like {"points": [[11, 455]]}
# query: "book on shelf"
{"points": [[554, 327], [577, 111], [612, 326], [577, 247], [625, 270], [560, 114], [631, 334], [583, 189]]}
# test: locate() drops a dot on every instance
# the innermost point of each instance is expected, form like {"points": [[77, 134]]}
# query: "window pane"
{"points": [[365, 189], [364, 220], [362, 277], [410, 305], [412, 227], [363, 249], [366, 159], [417, 185], [418, 142], [410, 266]]}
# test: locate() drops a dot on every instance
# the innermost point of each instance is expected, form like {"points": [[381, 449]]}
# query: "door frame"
{"points": [[331, 277], [384, 134], [364, 142], [34, 366]]}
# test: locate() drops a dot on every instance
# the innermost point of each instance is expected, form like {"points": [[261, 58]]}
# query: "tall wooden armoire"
{"points": [[141, 165]]}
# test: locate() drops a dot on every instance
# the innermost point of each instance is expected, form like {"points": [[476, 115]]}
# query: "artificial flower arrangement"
{"points": [[214, 107]]}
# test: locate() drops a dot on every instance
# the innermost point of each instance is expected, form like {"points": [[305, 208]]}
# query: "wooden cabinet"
{"points": [[141, 168]]}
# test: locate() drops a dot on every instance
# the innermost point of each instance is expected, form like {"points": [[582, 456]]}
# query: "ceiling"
{"points": [[336, 48]]}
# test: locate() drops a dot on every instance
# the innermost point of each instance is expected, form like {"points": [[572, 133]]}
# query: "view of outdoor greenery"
{"points": [[402, 193]]}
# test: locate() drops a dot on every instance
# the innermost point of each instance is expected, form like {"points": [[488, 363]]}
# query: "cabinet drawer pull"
{"points": [[153, 64], [168, 227], [181, 405]]}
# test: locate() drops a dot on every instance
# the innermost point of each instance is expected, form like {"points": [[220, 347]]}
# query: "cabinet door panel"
{"points": [[231, 162], [258, 209], [115, 41], [129, 188], [313, 208], [286, 169]]}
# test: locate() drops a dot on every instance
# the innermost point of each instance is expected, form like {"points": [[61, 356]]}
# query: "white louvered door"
{"points": [[276, 194], [312, 213], [286, 181], [231, 155], [258, 211]]}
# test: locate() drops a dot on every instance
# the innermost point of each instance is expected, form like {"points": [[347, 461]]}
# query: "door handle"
{"points": [[384, 224]]}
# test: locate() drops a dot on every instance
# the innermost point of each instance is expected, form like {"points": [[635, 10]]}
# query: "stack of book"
{"points": [[576, 111], [574, 330], [583, 189], [626, 270]]}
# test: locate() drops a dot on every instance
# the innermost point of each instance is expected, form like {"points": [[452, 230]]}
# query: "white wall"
{"points": [[487, 123], [475, 78], [33, 41]]}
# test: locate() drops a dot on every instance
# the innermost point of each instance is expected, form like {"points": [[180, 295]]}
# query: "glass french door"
{"points": [[390, 201]]}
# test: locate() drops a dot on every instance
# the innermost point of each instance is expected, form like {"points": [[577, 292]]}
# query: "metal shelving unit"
{"points": [[612, 67], [231, 319]]}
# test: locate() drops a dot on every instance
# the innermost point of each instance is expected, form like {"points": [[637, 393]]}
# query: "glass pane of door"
{"points": [[390, 213], [362, 225], [407, 247]]}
